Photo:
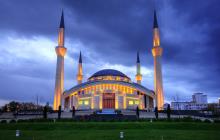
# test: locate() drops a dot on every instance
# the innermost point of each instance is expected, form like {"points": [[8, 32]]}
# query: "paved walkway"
{"points": [[10, 116]]}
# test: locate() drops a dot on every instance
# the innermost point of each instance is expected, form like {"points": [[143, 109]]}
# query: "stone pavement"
{"points": [[65, 114]]}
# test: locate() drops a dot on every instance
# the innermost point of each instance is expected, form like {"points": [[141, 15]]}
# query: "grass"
{"points": [[111, 130]]}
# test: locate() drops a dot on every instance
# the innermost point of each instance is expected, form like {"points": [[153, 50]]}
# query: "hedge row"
{"points": [[82, 119]]}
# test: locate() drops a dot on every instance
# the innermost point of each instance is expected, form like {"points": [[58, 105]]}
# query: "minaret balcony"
{"points": [[157, 51], [61, 51]]}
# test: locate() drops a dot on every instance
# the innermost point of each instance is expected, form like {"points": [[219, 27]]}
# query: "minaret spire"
{"points": [[60, 51], [80, 70], [61, 31], [157, 53], [80, 57], [155, 20], [138, 58], [156, 35], [138, 69], [62, 21]]}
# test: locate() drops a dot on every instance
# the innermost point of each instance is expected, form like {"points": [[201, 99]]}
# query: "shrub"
{"points": [[65, 120], [168, 111], [20, 121], [137, 112], [216, 121], [59, 112], [12, 121], [73, 111], [197, 120], [187, 119], [156, 112], [207, 121], [4, 121], [118, 111], [35, 120], [43, 120], [45, 112]]}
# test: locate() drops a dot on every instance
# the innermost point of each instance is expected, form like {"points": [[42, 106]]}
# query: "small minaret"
{"points": [[60, 51], [80, 70], [138, 66], [157, 53]]}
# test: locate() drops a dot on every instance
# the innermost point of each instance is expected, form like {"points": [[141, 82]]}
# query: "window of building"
{"points": [[136, 102], [86, 102], [80, 102], [131, 102]]}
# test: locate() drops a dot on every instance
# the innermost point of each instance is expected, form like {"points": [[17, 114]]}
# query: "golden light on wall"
{"points": [[123, 95], [61, 37], [124, 102], [92, 102], [156, 40], [100, 101], [116, 101]]}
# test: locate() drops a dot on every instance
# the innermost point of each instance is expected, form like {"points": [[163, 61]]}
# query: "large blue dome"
{"points": [[109, 72]]}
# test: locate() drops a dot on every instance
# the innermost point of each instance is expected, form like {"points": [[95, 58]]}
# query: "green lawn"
{"points": [[110, 131]]}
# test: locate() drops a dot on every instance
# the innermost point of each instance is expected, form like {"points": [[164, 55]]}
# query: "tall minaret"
{"points": [[157, 53], [80, 71], [60, 51], [138, 66]]}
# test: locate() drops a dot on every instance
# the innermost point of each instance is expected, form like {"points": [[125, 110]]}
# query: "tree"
{"points": [[168, 111], [73, 111], [4, 108], [45, 112], [16, 111], [59, 112], [137, 112], [13, 106], [156, 112]]}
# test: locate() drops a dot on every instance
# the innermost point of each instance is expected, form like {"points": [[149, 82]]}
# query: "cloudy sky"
{"points": [[109, 33]]}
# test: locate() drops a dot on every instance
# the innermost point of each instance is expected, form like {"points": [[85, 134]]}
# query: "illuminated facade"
{"points": [[108, 88]]}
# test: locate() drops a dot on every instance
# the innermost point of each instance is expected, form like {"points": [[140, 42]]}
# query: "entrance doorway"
{"points": [[108, 100]]}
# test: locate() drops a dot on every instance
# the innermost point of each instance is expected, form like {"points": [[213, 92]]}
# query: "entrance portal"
{"points": [[109, 100]]}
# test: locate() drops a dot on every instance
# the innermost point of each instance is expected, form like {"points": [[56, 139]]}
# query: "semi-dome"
{"points": [[110, 73]]}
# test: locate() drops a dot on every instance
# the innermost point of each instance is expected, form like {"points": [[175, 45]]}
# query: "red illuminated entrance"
{"points": [[108, 100]]}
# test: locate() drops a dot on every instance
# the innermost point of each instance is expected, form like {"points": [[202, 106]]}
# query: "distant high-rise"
{"points": [[199, 98], [60, 51], [199, 102], [157, 53]]}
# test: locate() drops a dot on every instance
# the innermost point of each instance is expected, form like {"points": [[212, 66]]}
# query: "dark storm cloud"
{"points": [[120, 28], [115, 30], [30, 17], [202, 15], [113, 27], [202, 56]]}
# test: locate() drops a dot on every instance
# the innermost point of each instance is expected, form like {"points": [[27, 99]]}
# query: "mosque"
{"points": [[108, 88]]}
